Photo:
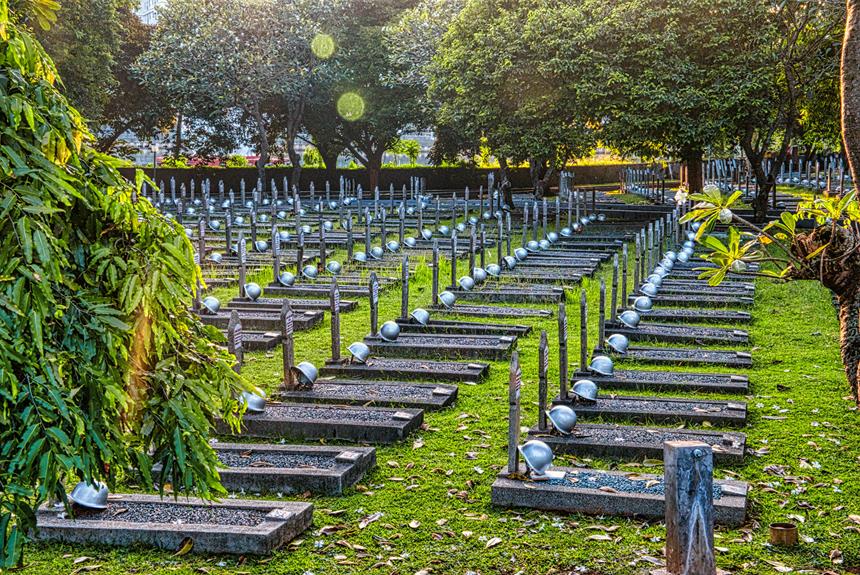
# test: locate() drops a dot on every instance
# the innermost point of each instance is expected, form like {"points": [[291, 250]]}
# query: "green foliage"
{"points": [[311, 158], [102, 368], [174, 162], [772, 243], [409, 148], [494, 85], [236, 161]]}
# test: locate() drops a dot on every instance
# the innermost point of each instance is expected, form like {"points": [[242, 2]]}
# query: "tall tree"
{"points": [[494, 81], [798, 61], [667, 78], [102, 367], [216, 55], [850, 80]]}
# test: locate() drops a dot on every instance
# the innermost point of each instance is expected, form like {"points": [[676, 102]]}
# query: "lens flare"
{"points": [[323, 46], [350, 106]]}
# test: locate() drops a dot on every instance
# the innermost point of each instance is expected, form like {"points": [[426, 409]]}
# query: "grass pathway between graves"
{"points": [[431, 493]]}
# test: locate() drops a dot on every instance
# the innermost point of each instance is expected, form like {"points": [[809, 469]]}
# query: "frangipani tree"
{"points": [[820, 241]]}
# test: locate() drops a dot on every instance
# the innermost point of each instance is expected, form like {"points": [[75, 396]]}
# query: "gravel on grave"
{"points": [[496, 310], [232, 458], [621, 483], [608, 403], [687, 330], [696, 298], [643, 435], [175, 514], [719, 314], [663, 376], [681, 354], [407, 364], [372, 390], [409, 339], [330, 414]]}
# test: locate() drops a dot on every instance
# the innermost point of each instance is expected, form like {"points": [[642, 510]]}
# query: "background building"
{"points": [[146, 11]]}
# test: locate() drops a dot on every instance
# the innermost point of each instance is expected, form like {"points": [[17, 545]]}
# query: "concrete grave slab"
{"points": [[311, 421], [634, 443], [408, 369], [615, 493], [234, 526]]}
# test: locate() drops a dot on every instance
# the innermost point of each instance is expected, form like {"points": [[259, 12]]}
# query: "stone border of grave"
{"points": [[284, 521]]}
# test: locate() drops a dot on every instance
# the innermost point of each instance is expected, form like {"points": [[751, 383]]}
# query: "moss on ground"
{"points": [[434, 488]]}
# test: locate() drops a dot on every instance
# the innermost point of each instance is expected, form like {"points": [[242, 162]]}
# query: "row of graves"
{"points": [[377, 391], [668, 313]]}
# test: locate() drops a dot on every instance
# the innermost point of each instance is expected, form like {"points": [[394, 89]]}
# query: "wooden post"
{"points": [[689, 469], [472, 248], [453, 258], [562, 351], [635, 266], [367, 232], [543, 384], [613, 308], [287, 345], [334, 301], [583, 330], [404, 288], [623, 277], [242, 253], [374, 304], [435, 283], [349, 239], [322, 249], [601, 317], [514, 384], [276, 254], [234, 340], [300, 253], [483, 250], [228, 232]]}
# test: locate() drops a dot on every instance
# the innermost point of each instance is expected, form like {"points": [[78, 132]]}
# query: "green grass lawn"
{"points": [[434, 488]]}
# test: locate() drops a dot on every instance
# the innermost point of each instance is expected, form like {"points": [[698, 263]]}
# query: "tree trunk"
{"points": [[177, 137], [330, 160], [850, 80], [263, 135], [849, 332], [505, 185], [540, 173], [295, 161], [838, 269], [693, 161], [374, 165]]}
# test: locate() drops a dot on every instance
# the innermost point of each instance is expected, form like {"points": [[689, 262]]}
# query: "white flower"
{"points": [[681, 196]]}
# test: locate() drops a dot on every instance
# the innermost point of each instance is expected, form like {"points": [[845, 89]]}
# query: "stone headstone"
{"points": [[404, 287], [287, 344], [514, 385], [334, 301], [434, 294], [234, 340], [453, 257], [562, 349], [374, 304], [543, 368], [241, 252]]}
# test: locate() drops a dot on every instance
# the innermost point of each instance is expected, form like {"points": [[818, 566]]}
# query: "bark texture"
{"points": [[838, 269]]}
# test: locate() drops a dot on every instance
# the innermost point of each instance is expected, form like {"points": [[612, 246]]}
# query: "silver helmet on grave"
{"points": [[253, 291], [389, 331], [601, 365], [563, 419], [585, 389]]}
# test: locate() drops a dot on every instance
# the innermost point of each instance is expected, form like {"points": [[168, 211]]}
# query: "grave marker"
{"points": [[562, 347], [404, 287], [514, 385], [689, 469], [287, 344], [374, 304], [234, 340], [543, 367], [334, 298]]}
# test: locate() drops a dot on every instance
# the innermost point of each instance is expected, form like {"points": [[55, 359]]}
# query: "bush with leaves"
{"points": [[103, 371], [820, 241]]}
